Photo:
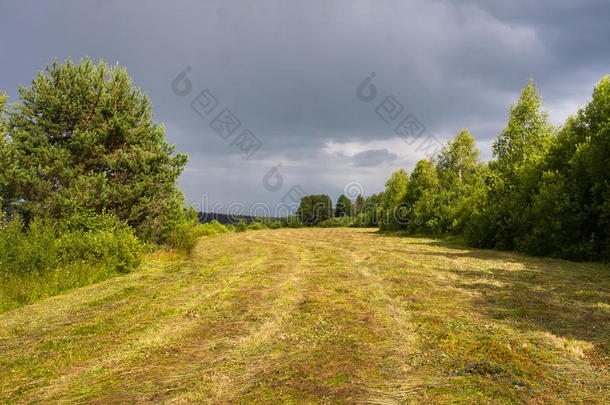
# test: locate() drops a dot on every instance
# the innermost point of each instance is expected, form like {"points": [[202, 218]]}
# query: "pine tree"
{"points": [[83, 134]]}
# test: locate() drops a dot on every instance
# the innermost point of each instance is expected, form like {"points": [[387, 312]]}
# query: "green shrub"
{"points": [[48, 257], [241, 226], [292, 222], [181, 236], [336, 222], [115, 250], [275, 225], [210, 228], [256, 226], [24, 252]]}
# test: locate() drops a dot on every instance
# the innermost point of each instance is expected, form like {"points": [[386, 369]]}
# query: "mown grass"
{"points": [[319, 316]]}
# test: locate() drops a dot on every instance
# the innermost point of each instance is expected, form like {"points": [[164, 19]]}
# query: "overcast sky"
{"points": [[289, 72]]}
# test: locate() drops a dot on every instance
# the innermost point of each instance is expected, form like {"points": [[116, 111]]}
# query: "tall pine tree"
{"points": [[83, 134]]}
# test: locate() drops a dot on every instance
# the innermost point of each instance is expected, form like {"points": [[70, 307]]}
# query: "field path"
{"points": [[319, 316]]}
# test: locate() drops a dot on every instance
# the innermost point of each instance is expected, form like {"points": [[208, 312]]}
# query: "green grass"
{"points": [[332, 315]]}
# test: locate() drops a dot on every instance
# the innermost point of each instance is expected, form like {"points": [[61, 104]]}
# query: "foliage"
{"points": [[182, 233], [336, 222], [459, 159], [358, 205], [256, 226], [57, 255], [439, 191], [82, 131], [181, 236], [292, 221], [210, 228], [184, 236], [369, 215], [520, 151], [4, 152], [393, 209], [241, 226], [546, 192], [314, 209], [343, 207], [420, 197], [275, 225], [570, 209]]}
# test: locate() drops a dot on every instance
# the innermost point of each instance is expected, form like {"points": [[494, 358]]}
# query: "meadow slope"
{"points": [[319, 316]]}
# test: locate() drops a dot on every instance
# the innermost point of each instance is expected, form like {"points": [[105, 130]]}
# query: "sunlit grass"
{"points": [[319, 315]]}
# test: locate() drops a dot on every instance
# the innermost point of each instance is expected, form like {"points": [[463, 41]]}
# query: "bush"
{"points": [[24, 252], [241, 226], [256, 226], [181, 236], [365, 219], [336, 222], [184, 236], [112, 250], [46, 257], [210, 228], [292, 222], [275, 225]]}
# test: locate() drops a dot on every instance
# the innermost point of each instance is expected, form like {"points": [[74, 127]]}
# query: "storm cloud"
{"points": [[288, 72], [372, 158]]}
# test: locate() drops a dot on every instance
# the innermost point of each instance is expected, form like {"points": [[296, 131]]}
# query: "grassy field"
{"points": [[319, 316]]}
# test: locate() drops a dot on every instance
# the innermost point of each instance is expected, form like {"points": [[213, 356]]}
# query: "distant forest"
{"points": [[226, 219]]}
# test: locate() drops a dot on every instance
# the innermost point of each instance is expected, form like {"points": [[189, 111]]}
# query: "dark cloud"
{"points": [[289, 72], [372, 158]]}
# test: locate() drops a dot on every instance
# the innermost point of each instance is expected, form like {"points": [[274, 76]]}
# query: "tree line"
{"points": [[545, 192]]}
